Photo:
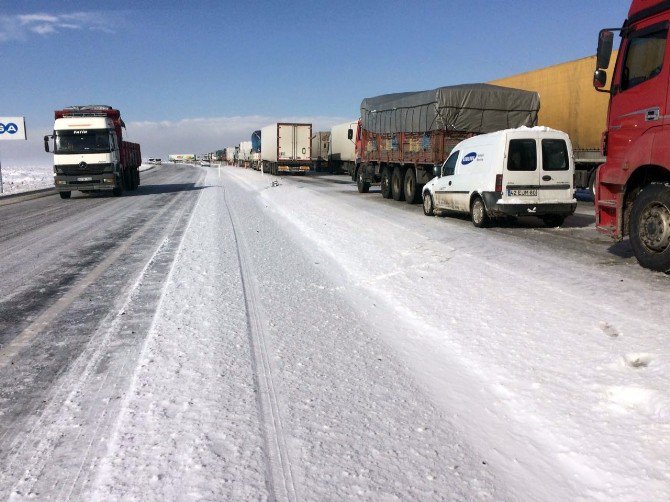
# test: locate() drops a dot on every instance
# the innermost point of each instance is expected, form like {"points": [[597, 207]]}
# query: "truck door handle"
{"points": [[653, 114], [546, 177]]}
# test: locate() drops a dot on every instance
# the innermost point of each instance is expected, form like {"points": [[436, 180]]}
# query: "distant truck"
{"points": [[569, 103], [90, 153], [256, 150], [342, 154], [403, 137], [286, 148], [320, 146], [244, 155], [182, 157], [231, 155]]}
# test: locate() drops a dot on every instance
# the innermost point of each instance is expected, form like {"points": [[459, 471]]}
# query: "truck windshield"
{"points": [[82, 141], [644, 58]]}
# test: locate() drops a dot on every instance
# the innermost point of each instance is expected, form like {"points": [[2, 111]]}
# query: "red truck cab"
{"points": [[633, 185]]}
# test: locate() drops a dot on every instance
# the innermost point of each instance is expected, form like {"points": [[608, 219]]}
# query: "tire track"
{"points": [[281, 484]]}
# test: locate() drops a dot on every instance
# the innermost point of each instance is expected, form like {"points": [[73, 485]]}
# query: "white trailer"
{"points": [[342, 154], [231, 152], [244, 157], [286, 148]]}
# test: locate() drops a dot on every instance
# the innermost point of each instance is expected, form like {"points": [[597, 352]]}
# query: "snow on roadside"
{"points": [[558, 369], [25, 179]]}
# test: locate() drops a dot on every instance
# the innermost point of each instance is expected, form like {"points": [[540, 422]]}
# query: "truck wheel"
{"points": [[362, 185], [386, 183], [650, 227], [480, 218], [117, 191], [397, 183], [428, 207], [65, 195], [553, 220], [411, 192]]}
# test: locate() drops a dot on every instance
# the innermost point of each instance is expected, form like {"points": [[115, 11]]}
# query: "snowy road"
{"points": [[239, 340]]}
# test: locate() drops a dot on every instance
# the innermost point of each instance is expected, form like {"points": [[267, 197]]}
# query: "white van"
{"points": [[516, 172]]}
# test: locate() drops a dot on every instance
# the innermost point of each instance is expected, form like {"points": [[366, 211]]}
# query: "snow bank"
{"points": [[24, 179]]}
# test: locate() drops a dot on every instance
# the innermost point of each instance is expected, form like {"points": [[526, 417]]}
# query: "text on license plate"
{"points": [[84, 179], [521, 193]]}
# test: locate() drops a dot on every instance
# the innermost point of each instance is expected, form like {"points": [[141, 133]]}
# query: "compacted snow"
{"points": [[313, 343]]}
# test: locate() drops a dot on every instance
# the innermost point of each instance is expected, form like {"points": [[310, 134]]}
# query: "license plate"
{"points": [[84, 179], [522, 193]]}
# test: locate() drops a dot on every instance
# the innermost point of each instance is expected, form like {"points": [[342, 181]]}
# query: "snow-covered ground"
{"points": [[24, 179], [315, 343]]}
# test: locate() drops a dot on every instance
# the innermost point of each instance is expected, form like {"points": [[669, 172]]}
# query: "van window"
{"points": [[555, 155], [450, 165], [522, 155]]}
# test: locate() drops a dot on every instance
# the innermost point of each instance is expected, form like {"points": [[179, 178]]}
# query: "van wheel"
{"points": [[362, 185], [411, 192], [650, 227], [480, 218], [553, 220], [397, 183], [385, 185], [65, 195], [428, 207]]}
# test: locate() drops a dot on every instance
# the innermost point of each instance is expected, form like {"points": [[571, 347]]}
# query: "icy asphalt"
{"points": [[216, 337]]}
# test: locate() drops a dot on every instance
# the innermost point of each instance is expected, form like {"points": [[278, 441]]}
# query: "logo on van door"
{"points": [[469, 158]]}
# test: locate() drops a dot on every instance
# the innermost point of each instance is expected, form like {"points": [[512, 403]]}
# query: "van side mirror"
{"points": [[436, 171], [46, 144], [350, 134], [604, 53]]}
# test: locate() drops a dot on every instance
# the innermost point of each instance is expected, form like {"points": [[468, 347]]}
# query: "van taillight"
{"points": [[499, 183]]}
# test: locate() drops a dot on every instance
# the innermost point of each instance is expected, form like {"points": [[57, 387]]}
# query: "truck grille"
{"points": [[83, 168]]}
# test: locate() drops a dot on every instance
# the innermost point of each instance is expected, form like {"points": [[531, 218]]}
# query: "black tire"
{"points": [[478, 214], [650, 227], [65, 195], [592, 183], [385, 184], [412, 193], [553, 220], [428, 206], [362, 185], [117, 191], [397, 183]]}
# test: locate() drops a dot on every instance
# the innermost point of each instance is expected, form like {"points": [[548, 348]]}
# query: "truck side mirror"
{"points": [[604, 53], [599, 79], [46, 144], [350, 134]]}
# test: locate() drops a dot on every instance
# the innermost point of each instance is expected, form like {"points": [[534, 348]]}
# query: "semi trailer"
{"points": [[633, 185], [320, 146], [89, 151], [342, 154], [402, 137], [286, 148]]}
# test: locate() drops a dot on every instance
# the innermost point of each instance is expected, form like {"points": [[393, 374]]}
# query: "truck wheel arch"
{"points": [[639, 179]]}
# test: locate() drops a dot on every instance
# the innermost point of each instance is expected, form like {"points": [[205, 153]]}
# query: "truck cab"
{"points": [[632, 192], [89, 152]]}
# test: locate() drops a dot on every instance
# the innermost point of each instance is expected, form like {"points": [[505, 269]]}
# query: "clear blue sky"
{"points": [[170, 61]]}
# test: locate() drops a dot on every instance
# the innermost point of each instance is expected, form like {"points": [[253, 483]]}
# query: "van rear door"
{"points": [[556, 181], [522, 173]]}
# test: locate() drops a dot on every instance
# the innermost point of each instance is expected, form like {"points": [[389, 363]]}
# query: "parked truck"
{"points": [[569, 104], [320, 146], [342, 154], [231, 155], [286, 148], [633, 185], [244, 155], [90, 153], [256, 150], [402, 137]]}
